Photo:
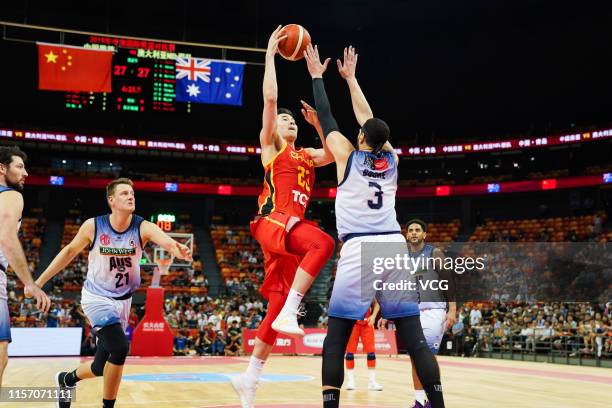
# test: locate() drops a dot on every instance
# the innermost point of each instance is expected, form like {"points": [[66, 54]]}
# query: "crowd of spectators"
{"points": [[568, 328]]}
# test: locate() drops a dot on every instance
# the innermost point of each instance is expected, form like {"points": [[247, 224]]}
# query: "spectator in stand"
{"points": [[234, 340], [475, 317], [180, 344], [218, 345], [53, 316], [234, 317]]}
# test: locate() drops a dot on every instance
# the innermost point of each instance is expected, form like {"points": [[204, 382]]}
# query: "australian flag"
{"points": [[209, 81]]}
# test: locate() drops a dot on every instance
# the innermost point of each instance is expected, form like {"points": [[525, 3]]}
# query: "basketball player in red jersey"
{"points": [[294, 249], [363, 329]]}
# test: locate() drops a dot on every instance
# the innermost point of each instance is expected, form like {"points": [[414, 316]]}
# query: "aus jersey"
{"points": [[3, 261], [426, 272], [288, 183], [114, 259], [365, 199]]}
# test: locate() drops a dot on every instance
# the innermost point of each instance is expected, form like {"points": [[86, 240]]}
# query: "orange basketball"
{"points": [[292, 47]]}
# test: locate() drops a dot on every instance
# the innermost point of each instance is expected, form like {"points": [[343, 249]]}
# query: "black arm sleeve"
{"points": [[328, 123]]}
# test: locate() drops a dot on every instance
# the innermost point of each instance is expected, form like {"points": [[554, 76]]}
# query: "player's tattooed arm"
{"points": [[267, 136], [81, 240], [323, 156], [151, 232]]}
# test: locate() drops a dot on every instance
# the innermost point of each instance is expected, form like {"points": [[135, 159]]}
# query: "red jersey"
{"points": [[288, 183]]}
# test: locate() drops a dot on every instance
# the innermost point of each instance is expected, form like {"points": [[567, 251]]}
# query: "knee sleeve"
{"points": [[338, 334], [115, 343], [371, 360], [97, 365], [350, 361]]}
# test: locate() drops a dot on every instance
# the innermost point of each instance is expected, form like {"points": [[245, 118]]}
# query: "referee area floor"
{"points": [[294, 382]]}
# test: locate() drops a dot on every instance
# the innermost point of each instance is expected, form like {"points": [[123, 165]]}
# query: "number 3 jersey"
{"points": [[365, 200], [114, 259], [288, 183]]}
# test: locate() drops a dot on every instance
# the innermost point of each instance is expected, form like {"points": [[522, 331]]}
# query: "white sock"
{"points": [[351, 375], [420, 396], [372, 375], [293, 301], [253, 371]]}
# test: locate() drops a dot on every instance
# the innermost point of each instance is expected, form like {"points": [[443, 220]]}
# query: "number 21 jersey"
{"points": [[365, 200], [114, 259]]}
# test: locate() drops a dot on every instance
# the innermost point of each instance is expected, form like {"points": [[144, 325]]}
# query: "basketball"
{"points": [[292, 48]]}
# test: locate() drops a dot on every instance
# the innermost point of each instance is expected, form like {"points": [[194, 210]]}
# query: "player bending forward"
{"points": [[115, 242]]}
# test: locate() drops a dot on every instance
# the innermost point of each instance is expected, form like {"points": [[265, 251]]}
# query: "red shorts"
{"points": [[366, 332], [280, 266]]}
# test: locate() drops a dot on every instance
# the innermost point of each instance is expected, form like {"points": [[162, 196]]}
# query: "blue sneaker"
{"points": [[417, 404], [427, 404]]}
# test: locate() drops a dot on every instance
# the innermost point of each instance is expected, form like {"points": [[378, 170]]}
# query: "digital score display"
{"points": [[141, 82], [164, 221]]}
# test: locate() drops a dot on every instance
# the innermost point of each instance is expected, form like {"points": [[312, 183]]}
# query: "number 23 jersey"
{"points": [[365, 200], [288, 182], [114, 259]]}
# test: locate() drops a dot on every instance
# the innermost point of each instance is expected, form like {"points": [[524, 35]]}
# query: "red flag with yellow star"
{"points": [[66, 68]]}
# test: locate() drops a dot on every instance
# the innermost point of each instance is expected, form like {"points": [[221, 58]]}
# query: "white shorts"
{"points": [[103, 311], [354, 287], [433, 322]]}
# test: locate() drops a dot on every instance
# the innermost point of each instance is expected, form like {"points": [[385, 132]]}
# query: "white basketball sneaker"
{"points": [[245, 390], [350, 384], [374, 386], [286, 323]]}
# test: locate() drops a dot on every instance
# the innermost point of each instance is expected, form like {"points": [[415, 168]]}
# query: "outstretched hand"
{"points": [[275, 38], [182, 251], [310, 114], [347, 67], [313, 62]]}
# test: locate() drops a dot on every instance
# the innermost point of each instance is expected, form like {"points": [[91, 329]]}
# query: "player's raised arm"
{"points": [[322, 156], [347, 69], [337, 143], [11, 207], [151, 232], [81, 240], [267, 137]]}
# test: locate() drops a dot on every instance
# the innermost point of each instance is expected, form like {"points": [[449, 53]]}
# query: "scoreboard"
{"points": [[141, 82]]}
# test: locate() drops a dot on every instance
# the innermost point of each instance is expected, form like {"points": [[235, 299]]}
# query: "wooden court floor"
{"points": [[294, 382]]}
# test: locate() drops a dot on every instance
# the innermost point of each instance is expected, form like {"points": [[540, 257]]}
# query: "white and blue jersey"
{"points": [[114, 259], [113, 273], [5, 321], [365, 214], [365, 199]]}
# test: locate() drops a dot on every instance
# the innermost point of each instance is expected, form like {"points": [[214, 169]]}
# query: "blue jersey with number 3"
{"points": [[365, 201], [114, 259]]}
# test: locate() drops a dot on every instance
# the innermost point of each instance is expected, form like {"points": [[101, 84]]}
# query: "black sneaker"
{"points": [[64, 393]]}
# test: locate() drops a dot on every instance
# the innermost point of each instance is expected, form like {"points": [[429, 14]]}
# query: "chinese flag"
{"points": [[62, 68]]}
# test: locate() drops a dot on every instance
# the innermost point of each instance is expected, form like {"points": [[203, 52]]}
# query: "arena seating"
{"points": [[557, 229]]}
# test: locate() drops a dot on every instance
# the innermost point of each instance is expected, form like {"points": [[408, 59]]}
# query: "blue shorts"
{"points": [[355, 288], [5, 322]]}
